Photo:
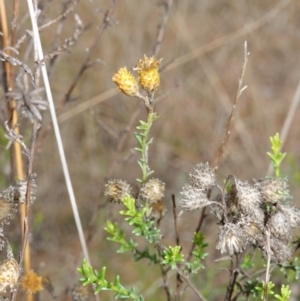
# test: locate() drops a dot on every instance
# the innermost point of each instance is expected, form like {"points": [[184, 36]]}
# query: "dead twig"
{"points": [[188, 282], [26, 234], [162, 27], [239, 92], [46, 25]]}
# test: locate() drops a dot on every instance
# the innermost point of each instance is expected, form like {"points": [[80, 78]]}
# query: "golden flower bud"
{"points": [[126, 82], [147, 69], [32, 282]]}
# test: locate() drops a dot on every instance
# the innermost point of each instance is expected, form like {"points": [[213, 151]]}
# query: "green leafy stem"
{"points": [[142, 138], [276, 156], [89, 276], [135, 217]]}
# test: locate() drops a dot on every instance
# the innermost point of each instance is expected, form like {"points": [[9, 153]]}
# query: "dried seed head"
{"points": [[246, 196], [32, 282], [280, 226], [9, 275], [193, 198], [16, 193], [280, 251], [29, 102], [126, 82], [273, 190], [11, 197], [147, 69], [152, 191], [231, 239], [202, 176], [81, 293], [292, 214], [7, 210], [116, 190], [253, 230]]}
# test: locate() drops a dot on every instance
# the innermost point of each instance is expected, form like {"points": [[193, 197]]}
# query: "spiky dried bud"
{"points": [[231, 239], [280, 226], [193, 198], [152, 191], [9, 275], [292, 214], [281, 252], [126, 82], [202, 176], [32, 282], [81, 293], [116, 190], [11, 197], [246, 197], [16, 193], [273, 190], [147, 69]]}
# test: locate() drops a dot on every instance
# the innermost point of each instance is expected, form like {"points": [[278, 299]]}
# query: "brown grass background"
{"points": [[195, 100]]}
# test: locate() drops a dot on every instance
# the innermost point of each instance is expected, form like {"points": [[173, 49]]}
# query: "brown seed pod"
{"points": [[9, 275]]}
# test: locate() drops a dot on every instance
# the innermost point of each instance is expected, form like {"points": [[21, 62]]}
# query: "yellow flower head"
{"points": [[147, 69], [126, 82], [32, 282]]}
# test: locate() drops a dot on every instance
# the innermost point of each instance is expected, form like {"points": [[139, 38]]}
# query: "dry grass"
{"points": [[194, 108]]}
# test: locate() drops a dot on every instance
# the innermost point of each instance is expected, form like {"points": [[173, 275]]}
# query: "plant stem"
{"points": [[144, 147], [233, 276]]}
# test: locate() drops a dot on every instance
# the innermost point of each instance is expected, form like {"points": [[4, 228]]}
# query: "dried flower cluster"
{"points": [[195, 195], [152, 191], [11, 197], [149, 79], [245, 212]]}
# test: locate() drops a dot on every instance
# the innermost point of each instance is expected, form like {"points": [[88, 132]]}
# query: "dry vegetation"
{"points": [[202, 51]]}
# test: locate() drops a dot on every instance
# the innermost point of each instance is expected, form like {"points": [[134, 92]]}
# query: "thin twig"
{"points": [[16, 7], [162, 27], [25, 236], [57, 135], [200, 296], [44, 26], [288, 121], [233, 276], [177, 237], [86, 63], [164, 274], [268, 236], [239, 92], [175, 220]]}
